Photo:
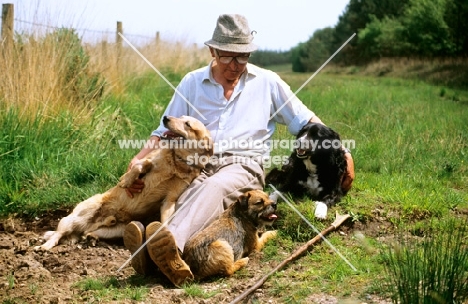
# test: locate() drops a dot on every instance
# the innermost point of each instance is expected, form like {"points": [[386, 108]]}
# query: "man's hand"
{"points": [[138, 184], [348, 176], [136, 187]]}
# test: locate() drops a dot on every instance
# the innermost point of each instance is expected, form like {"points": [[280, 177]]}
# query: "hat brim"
{"points": [[232, 47]]}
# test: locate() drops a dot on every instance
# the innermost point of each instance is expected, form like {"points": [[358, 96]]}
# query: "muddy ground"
{"points": [[60, 275]]}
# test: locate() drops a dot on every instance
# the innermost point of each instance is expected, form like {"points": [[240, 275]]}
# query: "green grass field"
{"points": [[411, 161]]}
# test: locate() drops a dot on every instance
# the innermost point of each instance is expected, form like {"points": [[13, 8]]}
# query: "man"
{"points": [[235, 100]]}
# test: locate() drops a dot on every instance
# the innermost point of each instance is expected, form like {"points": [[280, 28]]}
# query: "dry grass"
{"points": [[41, 76], [118, 64], [31, 76]]}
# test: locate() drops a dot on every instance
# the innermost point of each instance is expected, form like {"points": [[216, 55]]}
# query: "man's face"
{"points": [[231, 64]]}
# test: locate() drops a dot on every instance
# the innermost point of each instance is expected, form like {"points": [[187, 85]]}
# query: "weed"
{"points": [[33, 288], [431, 269], [11, 281], [442, 92], [91, 284], [197, 291], [110, 288]]}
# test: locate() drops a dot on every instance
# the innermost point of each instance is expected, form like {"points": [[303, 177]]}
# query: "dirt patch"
{"points": [[62, 274]]}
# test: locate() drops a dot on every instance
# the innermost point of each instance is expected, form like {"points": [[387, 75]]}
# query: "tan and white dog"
{"points": [[166, 172]]}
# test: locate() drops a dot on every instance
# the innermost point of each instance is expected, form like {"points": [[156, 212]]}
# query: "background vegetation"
{"points": [[425, 32], [65, 105]]}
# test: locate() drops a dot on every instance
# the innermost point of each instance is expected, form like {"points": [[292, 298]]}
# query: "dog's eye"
{"points": [[187, 124], [259, 203]]}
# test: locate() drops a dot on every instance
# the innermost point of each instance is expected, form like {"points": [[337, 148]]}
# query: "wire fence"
{"points": [[11, 26], [87, 35]]}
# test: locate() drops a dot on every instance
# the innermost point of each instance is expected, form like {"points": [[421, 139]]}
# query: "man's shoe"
{"points": [[163, 251], [134, 237]]}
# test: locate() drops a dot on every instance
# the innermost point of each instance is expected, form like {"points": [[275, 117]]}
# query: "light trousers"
{"points": [[219, 185]]}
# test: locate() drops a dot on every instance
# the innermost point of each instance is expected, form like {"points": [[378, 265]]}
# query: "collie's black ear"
{"points": [[244, 200]]}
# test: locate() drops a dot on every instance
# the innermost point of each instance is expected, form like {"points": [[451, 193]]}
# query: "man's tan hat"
{"points": [[232, 34]]}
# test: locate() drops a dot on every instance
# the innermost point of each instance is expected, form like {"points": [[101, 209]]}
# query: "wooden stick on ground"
{"points": [[340, 219]]}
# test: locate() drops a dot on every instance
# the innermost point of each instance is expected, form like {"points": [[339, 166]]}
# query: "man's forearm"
{"points": [[316, 119], [152, 144]]}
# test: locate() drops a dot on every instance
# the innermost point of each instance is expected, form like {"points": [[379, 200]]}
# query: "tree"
{"points": [[425, 28], [357, 15], [456, 17], [309, 56]]}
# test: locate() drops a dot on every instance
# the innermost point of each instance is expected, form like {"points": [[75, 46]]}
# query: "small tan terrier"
{"points": [[222, 247]]}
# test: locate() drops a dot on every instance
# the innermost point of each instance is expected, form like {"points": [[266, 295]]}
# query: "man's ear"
{"points": [[212, 52]]}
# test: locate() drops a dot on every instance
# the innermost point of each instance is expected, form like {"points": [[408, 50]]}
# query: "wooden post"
{"points": [[158, 38], [119, 42], [118, 38], [7, 23]]}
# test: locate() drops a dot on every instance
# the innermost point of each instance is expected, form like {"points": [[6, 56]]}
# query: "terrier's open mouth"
{"points": [[269, 217]]}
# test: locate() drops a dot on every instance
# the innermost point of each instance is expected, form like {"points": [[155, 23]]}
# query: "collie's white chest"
{"points": [[312, 184]]}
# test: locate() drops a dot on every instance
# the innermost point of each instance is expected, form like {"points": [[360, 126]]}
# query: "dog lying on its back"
{"points": [[167, 172], [315, 168], [222, 247]]}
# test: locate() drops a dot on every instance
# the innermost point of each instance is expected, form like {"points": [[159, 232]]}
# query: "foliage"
{"points": [[382, 38], [411, 167], [432, 269], [108, 289], [425, 28], [309, 56], [386, 28], [265, 58], [80, 85], [420, 30]]}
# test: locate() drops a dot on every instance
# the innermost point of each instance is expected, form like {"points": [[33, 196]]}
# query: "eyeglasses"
{"points": [[243, 59]]}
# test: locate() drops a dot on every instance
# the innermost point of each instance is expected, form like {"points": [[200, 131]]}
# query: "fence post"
{"points": [[7, 23], [118, 38], [119, 42], [158, 38]]}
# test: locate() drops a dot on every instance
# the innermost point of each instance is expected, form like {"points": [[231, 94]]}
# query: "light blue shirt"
{"points": [[243, 119]]}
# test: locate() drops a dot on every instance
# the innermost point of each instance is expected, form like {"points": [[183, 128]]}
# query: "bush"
{"points": [[79, 84]]}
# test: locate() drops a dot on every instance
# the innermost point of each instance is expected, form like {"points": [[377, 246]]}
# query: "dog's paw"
{"points": [[49, 243], [239, 264], [92, 239], [125, 181], [45, 247], [270, 234], [321, 210]]}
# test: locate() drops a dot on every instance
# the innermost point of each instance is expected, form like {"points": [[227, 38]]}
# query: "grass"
{"points": [[431, 270], [197, 291], [411, 168], [109, 289], [63, 107], [410, 157]]}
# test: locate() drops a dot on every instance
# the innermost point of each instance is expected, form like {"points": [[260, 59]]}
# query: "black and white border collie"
{"points": [[314, 169]]}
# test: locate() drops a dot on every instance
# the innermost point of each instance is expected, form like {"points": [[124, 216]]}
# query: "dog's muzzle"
{"points": [[303, 147], [300, 153], [268, 214]]}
